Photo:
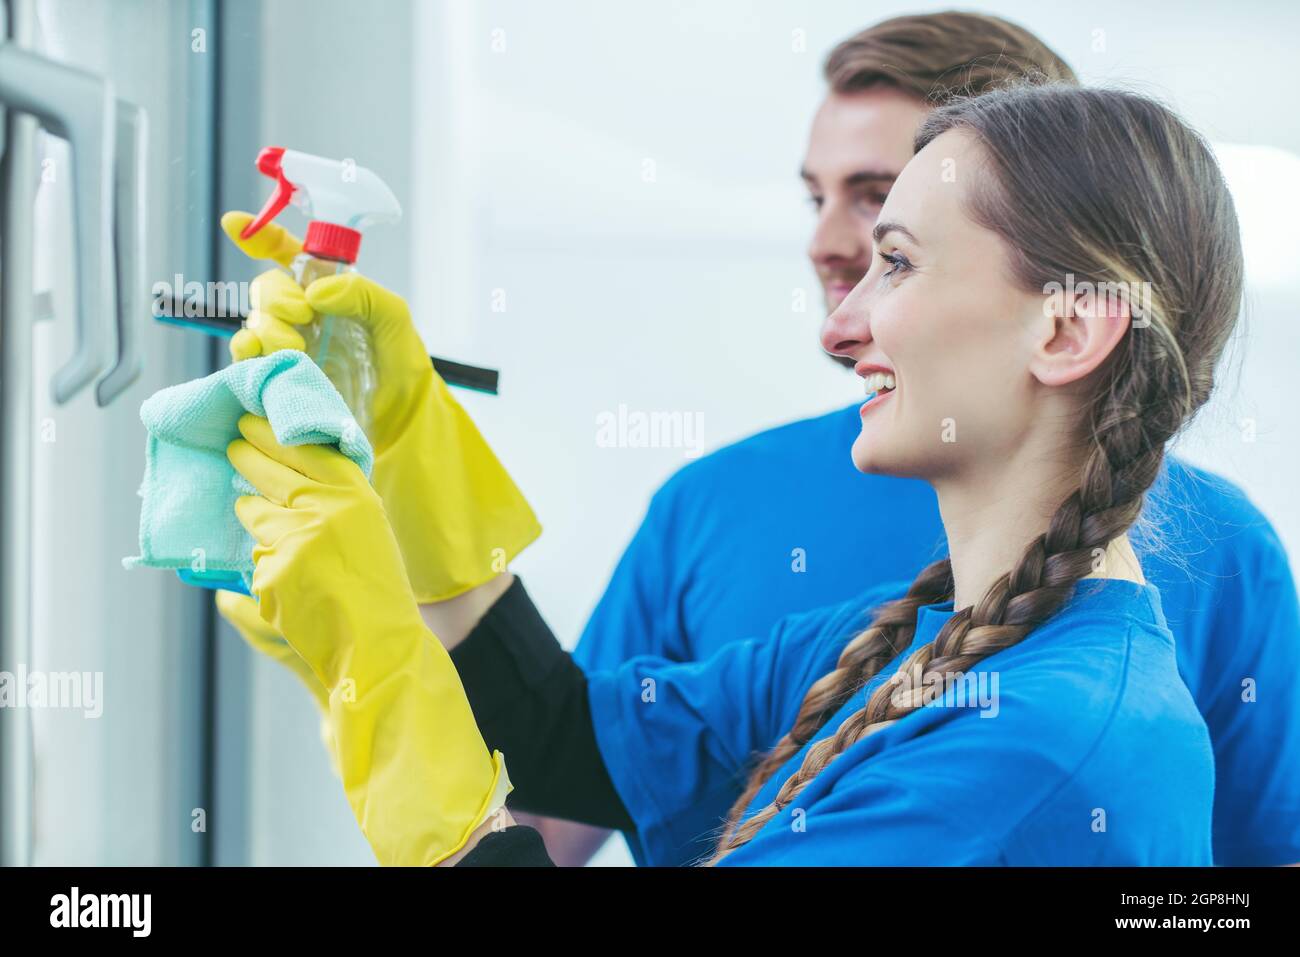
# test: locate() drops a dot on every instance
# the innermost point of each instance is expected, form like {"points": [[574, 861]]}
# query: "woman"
{"points": [[1017, 703]]}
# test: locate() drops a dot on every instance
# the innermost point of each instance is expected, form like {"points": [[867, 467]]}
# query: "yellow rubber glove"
{"points": [[242, 614], [329, 577], [458, 516], [278, 304]]}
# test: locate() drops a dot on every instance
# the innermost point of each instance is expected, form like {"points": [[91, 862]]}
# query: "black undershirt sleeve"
{"points": [[514, 847], [529, 698]]}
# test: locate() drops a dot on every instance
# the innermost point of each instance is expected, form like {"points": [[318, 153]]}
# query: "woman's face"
{"points": [[938, 312]]}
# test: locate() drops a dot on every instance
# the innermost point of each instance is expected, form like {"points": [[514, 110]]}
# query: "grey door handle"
{"points": [[78, 107], [130, 211]]}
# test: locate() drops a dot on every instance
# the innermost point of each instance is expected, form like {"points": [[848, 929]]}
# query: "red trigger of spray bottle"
{"points": [[268, 164]]}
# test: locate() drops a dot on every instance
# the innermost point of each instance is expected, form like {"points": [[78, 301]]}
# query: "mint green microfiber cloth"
{"points": [[187, 517]]}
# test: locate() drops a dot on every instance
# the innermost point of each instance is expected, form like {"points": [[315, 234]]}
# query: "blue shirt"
{"points": [[1080, 745], [782, 522]]}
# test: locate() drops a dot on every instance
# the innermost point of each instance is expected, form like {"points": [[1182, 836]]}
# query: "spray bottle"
{"points": [[341, 200]]}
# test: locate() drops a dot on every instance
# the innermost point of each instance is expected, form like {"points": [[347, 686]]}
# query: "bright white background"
{"points": [[518, 135]]}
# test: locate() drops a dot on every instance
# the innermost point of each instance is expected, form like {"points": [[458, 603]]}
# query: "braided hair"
{"points": [[1110, 187]]}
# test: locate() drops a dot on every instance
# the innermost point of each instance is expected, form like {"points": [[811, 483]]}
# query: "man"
{"points": [[782, 522]]}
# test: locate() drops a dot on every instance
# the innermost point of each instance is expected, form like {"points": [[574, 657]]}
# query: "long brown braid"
{"points": [[1111, 187]]}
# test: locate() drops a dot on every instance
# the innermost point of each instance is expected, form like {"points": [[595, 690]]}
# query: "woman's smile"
{"points": [[874, 399], [879, 383]]}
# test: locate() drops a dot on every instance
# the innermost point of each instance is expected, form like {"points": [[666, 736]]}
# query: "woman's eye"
{"points": [[815, 202], [897, 263]]}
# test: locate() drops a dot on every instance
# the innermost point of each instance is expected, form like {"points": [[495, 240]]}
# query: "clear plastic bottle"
{"points": [[340, 345], [340, 200]]}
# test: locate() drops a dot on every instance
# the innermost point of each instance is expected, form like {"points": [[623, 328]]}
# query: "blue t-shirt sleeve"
{"points": [[678, 738], [1255, 721], [1230, 597], [638, 612]]}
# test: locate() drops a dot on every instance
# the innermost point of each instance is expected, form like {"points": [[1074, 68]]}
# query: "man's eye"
{"points": [[816, 202]]}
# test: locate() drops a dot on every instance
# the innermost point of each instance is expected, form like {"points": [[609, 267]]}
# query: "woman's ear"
{"points": [[1084, 326]]}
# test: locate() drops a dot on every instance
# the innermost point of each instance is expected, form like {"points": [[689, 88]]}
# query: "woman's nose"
{"points": [[848, 329]]}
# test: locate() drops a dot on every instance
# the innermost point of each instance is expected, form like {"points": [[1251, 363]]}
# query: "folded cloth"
{"points": [[187, 517]]}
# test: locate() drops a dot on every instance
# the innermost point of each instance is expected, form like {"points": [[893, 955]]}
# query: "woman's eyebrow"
{"points": [[881, 229]]}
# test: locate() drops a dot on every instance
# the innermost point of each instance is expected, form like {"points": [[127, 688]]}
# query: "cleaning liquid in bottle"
{"points": [[341, 199], [340, 345]]}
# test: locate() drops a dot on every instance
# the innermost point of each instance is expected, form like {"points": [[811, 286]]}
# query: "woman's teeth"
{"points": [[878, 382]]}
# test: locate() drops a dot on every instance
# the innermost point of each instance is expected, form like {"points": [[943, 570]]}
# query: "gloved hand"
{"points": [[458, 516], [329, 577], [242, 614]]}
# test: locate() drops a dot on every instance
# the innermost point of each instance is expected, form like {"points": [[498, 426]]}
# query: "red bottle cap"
{"points": [[331, 241]]}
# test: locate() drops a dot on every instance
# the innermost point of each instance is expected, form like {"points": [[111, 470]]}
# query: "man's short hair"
{"points": [[938, 56]]}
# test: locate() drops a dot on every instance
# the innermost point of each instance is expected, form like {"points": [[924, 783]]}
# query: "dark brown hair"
{"points": [[1113, 188], [938, 56]]}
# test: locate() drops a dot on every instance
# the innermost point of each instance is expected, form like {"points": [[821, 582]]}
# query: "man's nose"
{"points": [[836, 237]]}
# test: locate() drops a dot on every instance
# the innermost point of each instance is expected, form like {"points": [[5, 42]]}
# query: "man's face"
{"points": [[859, 144]]}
